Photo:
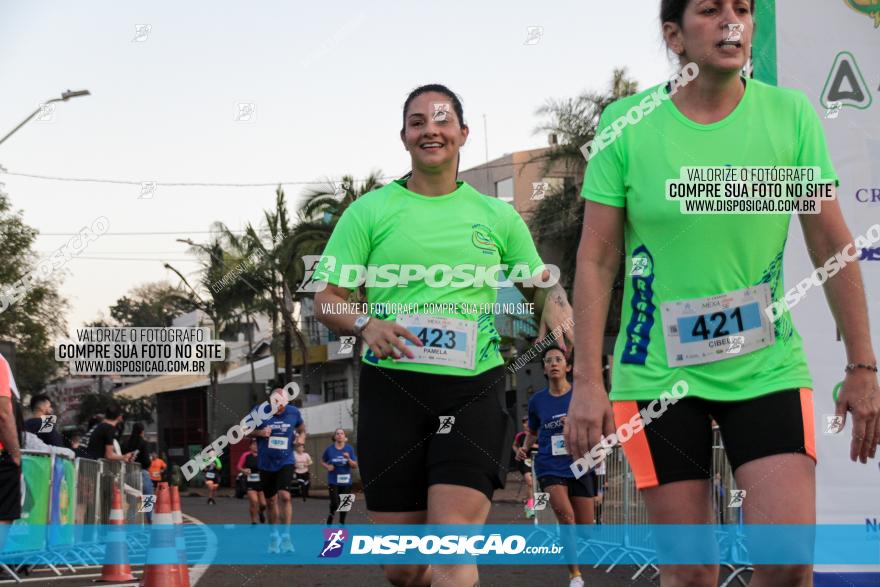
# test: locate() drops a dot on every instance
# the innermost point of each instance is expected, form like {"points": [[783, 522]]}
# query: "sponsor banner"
{"points": [[63, 507], [841, 77], [29, 532], [501, 544]]}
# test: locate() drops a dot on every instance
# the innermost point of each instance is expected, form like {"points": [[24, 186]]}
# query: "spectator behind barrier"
{"points": [[102, 439], [47, 431]]}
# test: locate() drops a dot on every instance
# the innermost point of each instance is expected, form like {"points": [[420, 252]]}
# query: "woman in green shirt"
{"points": [[432, 434], [695, 303]]}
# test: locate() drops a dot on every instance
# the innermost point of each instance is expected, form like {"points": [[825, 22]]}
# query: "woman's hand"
{"points": [[860, 394], [521, 454], [557, 315], [382, 336], [589, 417]]}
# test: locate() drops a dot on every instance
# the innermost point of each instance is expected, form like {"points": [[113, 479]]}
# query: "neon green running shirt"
{"points": [[464, 231], [692, 256]]}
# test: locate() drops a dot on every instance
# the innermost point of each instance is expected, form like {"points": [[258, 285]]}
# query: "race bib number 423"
{"points": [[717, 328], [447, 341]]}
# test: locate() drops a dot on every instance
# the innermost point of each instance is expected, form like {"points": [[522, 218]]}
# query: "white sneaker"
{"points": [[577, 582], [273, 544], [286, 544]]}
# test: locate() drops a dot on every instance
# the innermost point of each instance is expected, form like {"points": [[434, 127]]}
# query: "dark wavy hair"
{"points": [[440, 89], [673, 10]]}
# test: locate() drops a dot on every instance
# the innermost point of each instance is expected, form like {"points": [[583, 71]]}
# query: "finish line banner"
{"points": [[506, 544], [841, 77]]}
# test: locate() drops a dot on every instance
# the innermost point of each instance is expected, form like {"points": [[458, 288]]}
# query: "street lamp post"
{"points": [[64, 98]]}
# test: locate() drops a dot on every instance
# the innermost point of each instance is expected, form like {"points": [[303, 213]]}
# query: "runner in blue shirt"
{"points": [[570, 498], [275, 440], [338, 459]]}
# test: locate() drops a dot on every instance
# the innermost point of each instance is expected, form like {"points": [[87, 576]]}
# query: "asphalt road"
{"points": [[314, 511], [229, 510]]}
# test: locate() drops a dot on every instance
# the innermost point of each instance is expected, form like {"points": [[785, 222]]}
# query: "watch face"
{"points": [[360, 322]]}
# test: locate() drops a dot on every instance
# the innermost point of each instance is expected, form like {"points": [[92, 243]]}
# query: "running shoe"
{"points": [[286, 544], [577, 582], [273, 544]]}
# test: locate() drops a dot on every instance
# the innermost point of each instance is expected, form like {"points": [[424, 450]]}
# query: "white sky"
{"points": [[328, 82]]}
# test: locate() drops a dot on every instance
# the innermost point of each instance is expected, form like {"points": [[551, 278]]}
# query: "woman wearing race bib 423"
{"points": [[432, 434], [695, 317]]}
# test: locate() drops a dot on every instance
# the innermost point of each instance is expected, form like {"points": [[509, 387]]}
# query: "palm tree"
{"points": [[317, 217], [558, 218], [573, 121], [248, 291], [219, 306]]}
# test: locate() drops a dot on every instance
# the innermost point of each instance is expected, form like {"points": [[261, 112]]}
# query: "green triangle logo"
{"points": [[845, 84]]}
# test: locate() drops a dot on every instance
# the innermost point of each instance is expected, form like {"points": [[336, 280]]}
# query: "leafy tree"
{"points": [[217, 303], [151, 305], [39, 317], [137, 410], [317, 217], [557, 220]]}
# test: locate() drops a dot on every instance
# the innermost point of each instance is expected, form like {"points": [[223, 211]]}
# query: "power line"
{"points": [[42, 252], [237, 185], [137, 259], [160, 233]]}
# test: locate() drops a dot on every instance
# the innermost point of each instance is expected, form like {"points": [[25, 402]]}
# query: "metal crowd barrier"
{"points": [[623, 510], [69, 498]]}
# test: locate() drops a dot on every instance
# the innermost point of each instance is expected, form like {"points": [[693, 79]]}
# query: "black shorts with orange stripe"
{"points": [[677, 446]]}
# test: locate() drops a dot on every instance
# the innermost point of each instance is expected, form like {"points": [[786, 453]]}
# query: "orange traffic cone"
{"points": [[158, 572], [117, 549], [179, 541]]}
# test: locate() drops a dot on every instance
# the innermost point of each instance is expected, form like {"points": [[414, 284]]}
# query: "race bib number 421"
{"points": [[447, 341], [717, 328]]}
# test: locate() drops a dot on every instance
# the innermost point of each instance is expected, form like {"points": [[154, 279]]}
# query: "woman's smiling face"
{"points": [[432, 132]]}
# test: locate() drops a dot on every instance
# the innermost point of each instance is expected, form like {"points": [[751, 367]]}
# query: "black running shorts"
{"points": [[677, 445], [275, 481], [584, 486], [10, 488], [408, 442]]}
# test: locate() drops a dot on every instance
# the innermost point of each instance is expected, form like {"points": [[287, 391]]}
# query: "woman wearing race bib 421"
{"points": [[432, 434], [695, 316]]}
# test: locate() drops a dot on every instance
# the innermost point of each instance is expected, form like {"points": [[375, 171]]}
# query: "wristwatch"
{"points": [[360, 323]]}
